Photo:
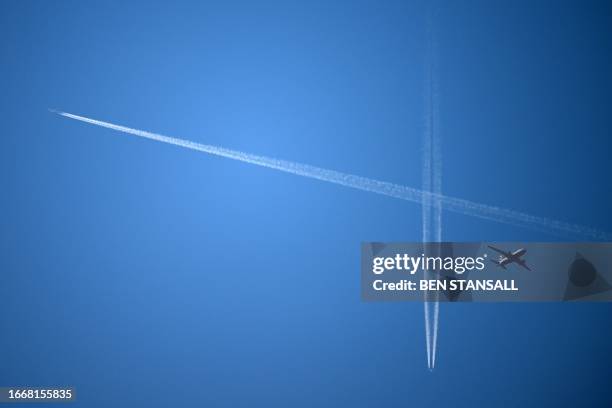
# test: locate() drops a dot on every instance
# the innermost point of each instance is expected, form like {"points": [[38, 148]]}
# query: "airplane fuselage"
{"points": [[518, 253]]}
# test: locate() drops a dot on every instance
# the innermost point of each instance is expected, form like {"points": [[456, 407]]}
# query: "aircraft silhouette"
{"points": [[506, 258]]}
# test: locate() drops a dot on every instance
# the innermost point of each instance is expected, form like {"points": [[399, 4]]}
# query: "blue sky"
{"points": [[145, 274]]}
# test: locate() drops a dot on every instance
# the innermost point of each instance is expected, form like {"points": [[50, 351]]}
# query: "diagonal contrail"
{"points": [[406, 193]]}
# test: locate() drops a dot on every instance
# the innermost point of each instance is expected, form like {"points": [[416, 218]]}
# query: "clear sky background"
{"points": [[149, 275]]}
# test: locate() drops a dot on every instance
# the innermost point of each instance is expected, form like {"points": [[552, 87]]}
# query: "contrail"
{"points": [[406, 193], [436, 171], [431, 181], [426, 207]]}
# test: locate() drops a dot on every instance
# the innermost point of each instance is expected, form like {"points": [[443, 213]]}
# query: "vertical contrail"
{"points": [[431, 181], [426, 210], [436, 146], [436, 174]]}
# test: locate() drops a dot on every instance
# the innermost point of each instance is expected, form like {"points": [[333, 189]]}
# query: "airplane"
{"points": [[506, 258]]}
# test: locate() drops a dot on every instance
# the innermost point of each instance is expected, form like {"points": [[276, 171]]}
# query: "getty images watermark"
{"points": [[486, 272]]}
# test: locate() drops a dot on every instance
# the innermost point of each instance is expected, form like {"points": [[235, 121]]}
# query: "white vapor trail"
{"points": [[426, 209], [401, 192], [436, 173], [431, 181]]}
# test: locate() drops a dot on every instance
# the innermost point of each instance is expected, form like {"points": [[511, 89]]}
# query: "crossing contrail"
{"points": [[457, 205]]}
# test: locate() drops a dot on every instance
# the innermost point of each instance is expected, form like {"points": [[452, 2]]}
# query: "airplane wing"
{"points": [[504, 253]]}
